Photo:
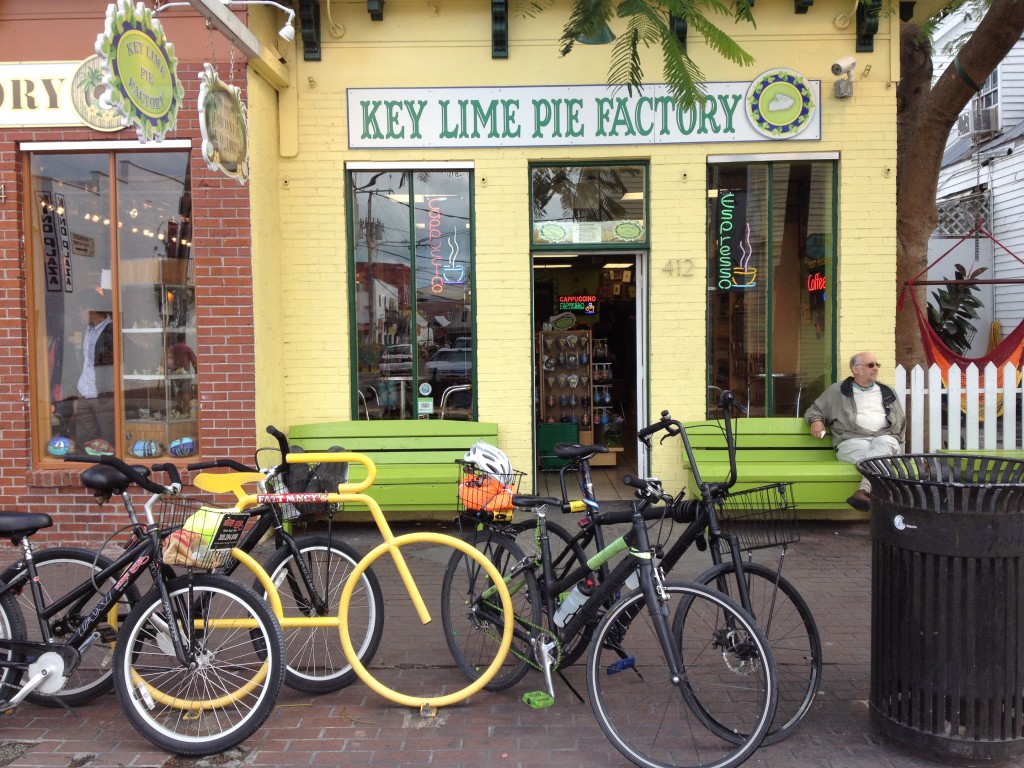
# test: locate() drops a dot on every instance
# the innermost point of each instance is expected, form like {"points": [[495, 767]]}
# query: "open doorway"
{"points": [[589, 360]]}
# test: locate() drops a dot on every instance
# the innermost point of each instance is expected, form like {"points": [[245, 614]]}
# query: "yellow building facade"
{"points": [[309, 138]]}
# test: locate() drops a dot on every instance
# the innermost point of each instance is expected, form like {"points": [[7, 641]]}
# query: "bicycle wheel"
{"points": [[230, 685], [786, 619], [652, 720], [473, 623], [62, 569], [12, 627], [315, 661]]}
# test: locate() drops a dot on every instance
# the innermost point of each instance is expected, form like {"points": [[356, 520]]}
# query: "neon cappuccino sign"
{"points": [[444, 249], [587, 304]]}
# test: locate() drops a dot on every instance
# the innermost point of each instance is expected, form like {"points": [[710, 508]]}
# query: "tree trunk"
{"points": [[925, 117]]}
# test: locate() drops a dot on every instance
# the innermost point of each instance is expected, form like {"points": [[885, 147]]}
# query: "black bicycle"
{"points": [[723, 523], [198, 661], [678, 674]]}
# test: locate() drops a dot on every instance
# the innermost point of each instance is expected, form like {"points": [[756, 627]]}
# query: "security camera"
{"points": [[844, 65]]}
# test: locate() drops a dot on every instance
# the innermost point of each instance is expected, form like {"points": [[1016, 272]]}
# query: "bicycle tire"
{"points": [[650, 719], [316, 663], [60, 570], [473, 625], [12, 627], [792, 634], [223, 699]]}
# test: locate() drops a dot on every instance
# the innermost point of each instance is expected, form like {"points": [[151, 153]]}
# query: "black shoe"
{"points": [[861, 501]]}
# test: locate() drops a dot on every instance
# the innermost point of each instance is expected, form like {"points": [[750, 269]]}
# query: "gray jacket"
{"points": [[837, 408]]}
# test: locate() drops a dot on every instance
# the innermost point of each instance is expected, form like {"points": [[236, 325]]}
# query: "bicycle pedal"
{"points": [[538, 699]]}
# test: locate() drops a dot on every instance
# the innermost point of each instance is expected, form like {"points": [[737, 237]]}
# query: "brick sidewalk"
{"points": [[831, 566]]}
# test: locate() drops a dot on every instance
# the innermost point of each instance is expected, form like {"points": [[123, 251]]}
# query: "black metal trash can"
{"points": [[947, 604]]}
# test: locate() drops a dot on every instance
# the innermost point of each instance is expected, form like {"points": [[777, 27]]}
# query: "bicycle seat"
{"points": [[101, 477], [18, 525], [534, 502], [573, 451]]}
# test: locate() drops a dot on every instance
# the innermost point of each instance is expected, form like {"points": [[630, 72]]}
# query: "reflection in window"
{"points": [[594, 204], [113, 360], [413, 294], [771, 253]]}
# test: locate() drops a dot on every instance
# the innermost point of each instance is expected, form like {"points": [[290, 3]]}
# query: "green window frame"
{"points": [[411, 260], [772, 272], [599, 206]]}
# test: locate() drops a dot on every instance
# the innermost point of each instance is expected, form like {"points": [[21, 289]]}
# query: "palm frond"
{"points": [[586, 15], [719, 41], [530, 8]]}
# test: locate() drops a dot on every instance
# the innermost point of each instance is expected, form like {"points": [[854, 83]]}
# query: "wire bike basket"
{"points": [[759, 517], [486, 497], [195, 533]]}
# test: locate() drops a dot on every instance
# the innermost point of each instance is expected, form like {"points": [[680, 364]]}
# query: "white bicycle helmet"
{"points": [[490, 460]]}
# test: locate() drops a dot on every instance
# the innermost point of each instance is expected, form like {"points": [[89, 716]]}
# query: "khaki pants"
{"points": [[853, 449]]}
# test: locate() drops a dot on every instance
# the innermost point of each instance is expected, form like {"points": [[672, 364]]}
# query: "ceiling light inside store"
{"points": [[551, 266], [624, 265]]}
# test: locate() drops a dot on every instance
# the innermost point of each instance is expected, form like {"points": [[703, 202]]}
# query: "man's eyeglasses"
{"points": [[872, 365]]}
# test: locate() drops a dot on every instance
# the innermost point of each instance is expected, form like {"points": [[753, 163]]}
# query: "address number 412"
{"points": [[682, 267]]}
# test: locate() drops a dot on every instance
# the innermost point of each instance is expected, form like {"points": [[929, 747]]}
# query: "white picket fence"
{"points": [[973, 412]]}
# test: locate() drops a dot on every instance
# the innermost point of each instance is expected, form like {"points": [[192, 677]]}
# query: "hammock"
{"points": [[1008, 351]]}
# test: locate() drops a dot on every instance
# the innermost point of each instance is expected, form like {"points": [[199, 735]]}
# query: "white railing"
{"points": [[973, 411]]}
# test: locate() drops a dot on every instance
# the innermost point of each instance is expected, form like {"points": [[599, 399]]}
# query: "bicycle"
{"points": [[698, 691], [353, 493], [762, 591], [198, 660], [308, 571]]}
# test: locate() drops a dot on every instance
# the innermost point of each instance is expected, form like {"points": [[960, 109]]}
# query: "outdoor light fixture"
{"points": [[287, 32]]}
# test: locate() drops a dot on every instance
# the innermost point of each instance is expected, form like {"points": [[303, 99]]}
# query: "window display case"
{"points": [[159, 366]]}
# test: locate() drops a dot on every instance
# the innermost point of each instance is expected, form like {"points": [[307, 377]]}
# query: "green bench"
{"points": [[779, 450], [417, 477]]}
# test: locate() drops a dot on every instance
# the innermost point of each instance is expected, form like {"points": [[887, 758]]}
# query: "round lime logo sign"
{"points": [[780, 104], [140, 70]]}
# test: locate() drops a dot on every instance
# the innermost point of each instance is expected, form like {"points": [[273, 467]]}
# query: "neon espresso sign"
{"points": [[735, 254], [444, 249], [586, 304]]}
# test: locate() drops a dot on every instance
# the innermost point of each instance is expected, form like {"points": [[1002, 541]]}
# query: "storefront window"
{"points": [[114, 366], [597, 205], [771, 273], [413, 260]]}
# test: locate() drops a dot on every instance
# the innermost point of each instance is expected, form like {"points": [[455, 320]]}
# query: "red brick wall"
{"points": [[223, 280]]}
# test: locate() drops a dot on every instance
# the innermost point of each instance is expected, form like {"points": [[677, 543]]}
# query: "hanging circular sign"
{"points": [[140, 70], [780, 104], [87, 89]]}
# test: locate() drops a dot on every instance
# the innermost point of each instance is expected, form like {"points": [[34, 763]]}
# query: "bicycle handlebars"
{"points": [[131, 473], [726, 401], [229, 463]]}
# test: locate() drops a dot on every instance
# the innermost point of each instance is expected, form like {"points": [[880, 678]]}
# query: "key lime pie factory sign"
{"points": [[779, 104]]}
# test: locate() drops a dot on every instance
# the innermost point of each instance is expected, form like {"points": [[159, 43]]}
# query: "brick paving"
{"points": [[831, 566]]}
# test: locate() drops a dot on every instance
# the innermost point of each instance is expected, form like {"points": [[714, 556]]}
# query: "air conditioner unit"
{"points": [[984, 121]]}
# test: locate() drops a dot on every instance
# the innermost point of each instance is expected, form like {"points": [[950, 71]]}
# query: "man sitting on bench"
{"points": [[864, 417]]}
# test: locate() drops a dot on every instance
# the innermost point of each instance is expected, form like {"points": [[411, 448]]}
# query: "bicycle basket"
{"points": [[196, 534], [486, 497], [323, 477], [760, 517]]}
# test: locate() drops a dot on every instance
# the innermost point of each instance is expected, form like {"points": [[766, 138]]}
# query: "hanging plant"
{"points": [[951, 310]]}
